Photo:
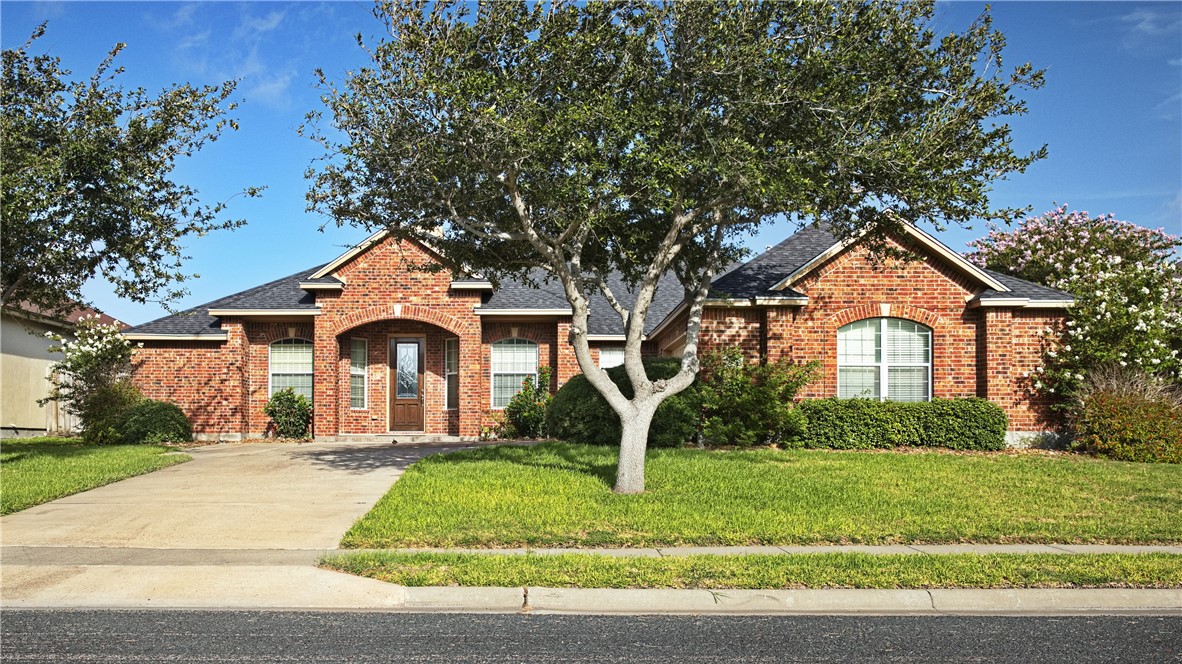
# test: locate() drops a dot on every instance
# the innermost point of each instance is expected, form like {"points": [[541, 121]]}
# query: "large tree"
{"points": [[86, 180], [640, 138]]}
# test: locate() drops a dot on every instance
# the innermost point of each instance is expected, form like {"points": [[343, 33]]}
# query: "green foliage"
{"points": [[525, 414], [580, 414], [959, 424], [86, 180], [1127, 284], [290, 413], [1123, 414], [93, 378], [151, 421], [748, 404]]}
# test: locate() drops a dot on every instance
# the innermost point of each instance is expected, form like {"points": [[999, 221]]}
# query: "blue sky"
{"points": [[1111, 113]]}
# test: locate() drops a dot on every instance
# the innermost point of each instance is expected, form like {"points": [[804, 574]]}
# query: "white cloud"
{"points": [[251, 25], [1152, 22]]}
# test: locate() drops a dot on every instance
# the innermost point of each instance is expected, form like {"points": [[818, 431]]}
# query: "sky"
{"points": [[1110, 114]]}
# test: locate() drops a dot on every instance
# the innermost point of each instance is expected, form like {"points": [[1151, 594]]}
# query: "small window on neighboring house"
{"points": [[358, 368], [513, 360], [291, 366], [610, 356], [889, 359], [451, 372]]}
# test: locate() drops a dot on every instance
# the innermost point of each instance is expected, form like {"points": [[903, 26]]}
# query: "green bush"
{"points": [[151, 421], [748, 404], [579, 414], [1128, 427], [291, 413], [959, 424], [525, 414], [102, 411]]}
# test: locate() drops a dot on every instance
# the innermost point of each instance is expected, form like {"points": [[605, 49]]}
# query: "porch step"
{"points": [[394, 438]]}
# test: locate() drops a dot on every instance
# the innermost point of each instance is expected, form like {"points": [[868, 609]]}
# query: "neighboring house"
{"points": [[381, 347], [25, 363]]}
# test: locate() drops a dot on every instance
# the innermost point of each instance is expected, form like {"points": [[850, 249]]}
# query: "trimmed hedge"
{"points": [[579, 414], [151, 421], [850, 424]]}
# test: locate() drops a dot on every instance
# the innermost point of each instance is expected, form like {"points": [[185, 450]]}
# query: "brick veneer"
{"points": [[223, 386]]}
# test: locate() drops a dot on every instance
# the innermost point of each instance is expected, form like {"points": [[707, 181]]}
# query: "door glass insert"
{"points": [[408, 370]]}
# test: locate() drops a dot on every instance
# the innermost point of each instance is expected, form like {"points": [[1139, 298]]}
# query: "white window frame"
{"points": [[611, 348], [451, 373], [883, 366], [364, 373], [271, 368], [493, 373]]}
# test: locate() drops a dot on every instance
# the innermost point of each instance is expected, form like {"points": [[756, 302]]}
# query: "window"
{"points": [[291, 366], [889, 359], [513, 360], [610, 356], [358, 366], [451, 372]]}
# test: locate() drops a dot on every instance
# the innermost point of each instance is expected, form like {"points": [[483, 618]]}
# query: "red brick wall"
{"points": [[204, 378]]}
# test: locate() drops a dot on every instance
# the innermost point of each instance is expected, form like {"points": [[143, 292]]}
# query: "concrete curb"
{"points": [[791, 602]]}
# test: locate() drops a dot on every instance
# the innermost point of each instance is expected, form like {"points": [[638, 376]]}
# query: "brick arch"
{"points": [[905, 311], [414, 312]]}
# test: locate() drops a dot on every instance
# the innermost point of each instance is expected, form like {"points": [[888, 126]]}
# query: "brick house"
{"points": [[382, 346]]}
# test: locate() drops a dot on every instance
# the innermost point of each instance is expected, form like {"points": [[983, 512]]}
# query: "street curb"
{"points": [[790, 602]]}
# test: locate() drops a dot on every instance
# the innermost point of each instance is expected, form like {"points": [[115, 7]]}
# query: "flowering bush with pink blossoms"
{"points": [[1127, 283]]}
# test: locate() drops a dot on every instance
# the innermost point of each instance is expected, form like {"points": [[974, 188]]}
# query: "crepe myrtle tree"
{"points": [[86, 179], [569, 141]]}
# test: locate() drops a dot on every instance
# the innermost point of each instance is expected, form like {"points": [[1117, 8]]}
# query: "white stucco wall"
{"points": [[24, 367]]}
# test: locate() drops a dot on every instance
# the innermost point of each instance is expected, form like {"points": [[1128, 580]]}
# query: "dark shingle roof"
{"points": [[1022, 288], [756, 277], [284, 293]]}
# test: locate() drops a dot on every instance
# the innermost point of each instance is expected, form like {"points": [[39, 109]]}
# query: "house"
{"points": [[381, 347], [25, 363]]}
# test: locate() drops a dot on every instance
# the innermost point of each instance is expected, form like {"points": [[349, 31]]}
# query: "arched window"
{"points": [[513, 360], [291, 366], [889, 359]]}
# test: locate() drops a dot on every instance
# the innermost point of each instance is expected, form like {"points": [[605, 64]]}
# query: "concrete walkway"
{"points": [[242, 526]]}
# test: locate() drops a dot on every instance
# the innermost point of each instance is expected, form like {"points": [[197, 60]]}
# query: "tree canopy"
{"points": [[86, 180], [640, 138]]}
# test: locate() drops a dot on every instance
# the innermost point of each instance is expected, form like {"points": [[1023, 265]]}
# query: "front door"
{"points": [[406, 375]]}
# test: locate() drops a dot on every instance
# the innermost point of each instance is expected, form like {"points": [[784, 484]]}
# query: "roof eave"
{"points": [[146, 336]]}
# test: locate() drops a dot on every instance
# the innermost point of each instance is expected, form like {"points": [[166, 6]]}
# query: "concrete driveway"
{"points": [[239, 525]]}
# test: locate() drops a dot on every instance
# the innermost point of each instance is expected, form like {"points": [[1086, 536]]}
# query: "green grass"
{"points": [[556, 494], [38, 470], [814, 570]]}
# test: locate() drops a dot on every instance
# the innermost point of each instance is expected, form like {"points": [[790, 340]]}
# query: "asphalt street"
{"points": [[275, 636]]}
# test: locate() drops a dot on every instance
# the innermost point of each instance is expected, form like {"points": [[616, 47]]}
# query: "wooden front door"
{"points": [[406, 380]]}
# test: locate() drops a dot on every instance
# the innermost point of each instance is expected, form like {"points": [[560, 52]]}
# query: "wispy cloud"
{"points": [[250, 25], [1152, 22]]}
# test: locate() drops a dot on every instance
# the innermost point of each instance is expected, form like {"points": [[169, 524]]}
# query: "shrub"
{"points": [[959, 424], [151, 421], [291, 413], [525, 414], [1128, 416], [751, 403], [579, 414], [103, 410]]}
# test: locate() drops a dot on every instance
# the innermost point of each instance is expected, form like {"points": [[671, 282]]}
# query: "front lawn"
{"points": [[559, 495], [813, 570], [38, 470]]}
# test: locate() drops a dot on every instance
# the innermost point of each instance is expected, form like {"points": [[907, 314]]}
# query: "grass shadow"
{"points": [[594, 461]]}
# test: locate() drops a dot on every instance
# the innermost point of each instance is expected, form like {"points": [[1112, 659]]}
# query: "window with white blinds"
{"points": [[291, 366], [513, 361], [451, 372], [889, 359], [358, 366], [610, 356]]}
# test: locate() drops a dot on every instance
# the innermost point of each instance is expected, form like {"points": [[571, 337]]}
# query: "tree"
{"points": [[639, 138], [86, 180], [1127, 284]]}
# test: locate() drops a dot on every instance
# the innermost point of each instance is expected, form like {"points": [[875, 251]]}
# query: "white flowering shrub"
{"points": [[1127, 283], [93, 378]]}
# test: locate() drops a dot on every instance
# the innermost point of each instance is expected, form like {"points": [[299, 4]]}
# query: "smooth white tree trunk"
{"points": [[633, 440]]}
